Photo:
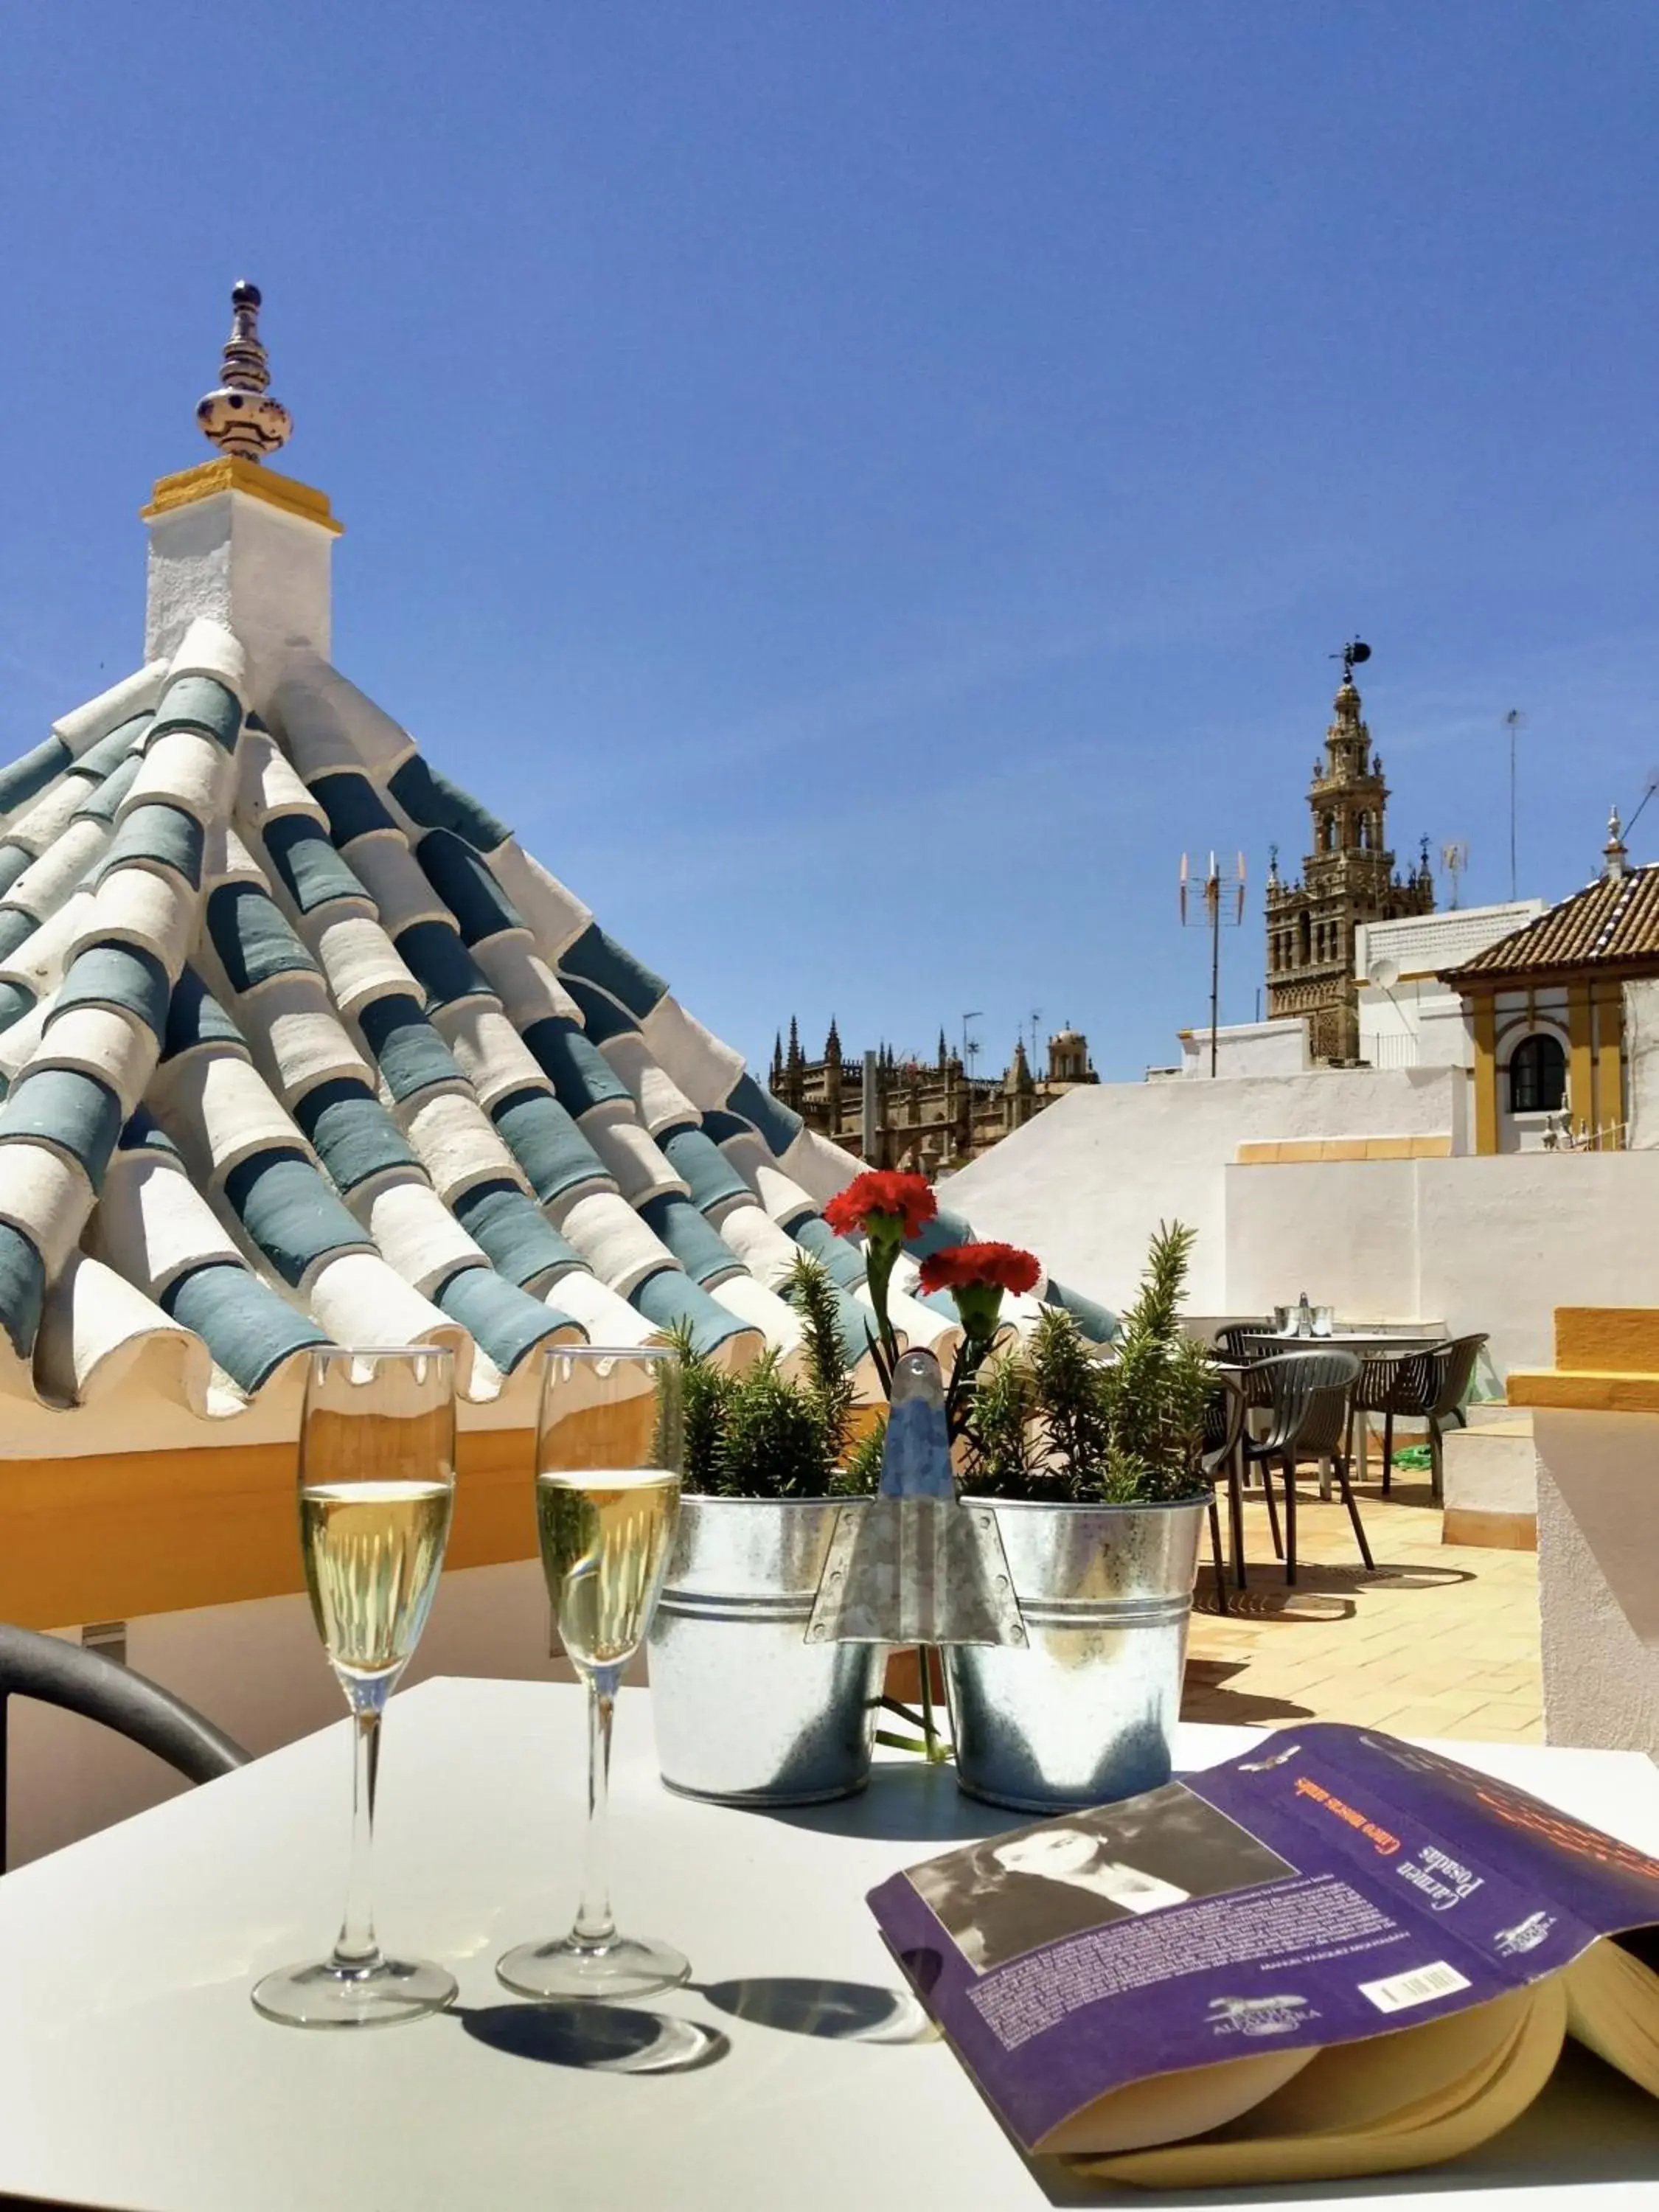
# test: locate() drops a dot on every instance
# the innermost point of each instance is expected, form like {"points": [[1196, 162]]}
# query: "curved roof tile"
{"points": [[417, 1085]]}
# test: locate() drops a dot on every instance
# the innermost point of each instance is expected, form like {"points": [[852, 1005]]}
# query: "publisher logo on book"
{"points": [[1526, 1935], [1255, 2016]]}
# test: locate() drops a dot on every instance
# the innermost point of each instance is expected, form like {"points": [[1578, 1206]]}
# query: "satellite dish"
{"points": [[1383, 972]]}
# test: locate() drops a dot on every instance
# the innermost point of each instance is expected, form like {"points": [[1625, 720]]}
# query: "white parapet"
{"points": [[1598, 1549]]}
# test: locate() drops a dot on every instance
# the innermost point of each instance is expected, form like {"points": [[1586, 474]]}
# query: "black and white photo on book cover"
{"points": [[1013, 1893]]}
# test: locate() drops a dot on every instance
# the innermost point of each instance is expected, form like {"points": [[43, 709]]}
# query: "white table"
{"points": [[134, 2072]]}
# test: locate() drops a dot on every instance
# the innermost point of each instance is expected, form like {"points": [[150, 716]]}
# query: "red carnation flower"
{"points": [[880, 1195], [988, 1267]]}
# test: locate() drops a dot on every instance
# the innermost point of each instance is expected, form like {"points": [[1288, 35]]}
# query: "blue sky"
{"points": [[863, 487]]}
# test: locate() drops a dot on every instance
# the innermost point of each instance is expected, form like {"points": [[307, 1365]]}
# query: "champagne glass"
{"points": [[377, 1487], [609, 1450]]}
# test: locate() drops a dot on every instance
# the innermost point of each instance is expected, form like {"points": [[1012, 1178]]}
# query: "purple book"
{"points": [[1329, 1887]]}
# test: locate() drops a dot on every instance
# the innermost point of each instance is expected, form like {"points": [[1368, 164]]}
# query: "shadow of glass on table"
{"points": [[594, 2039], [834, 2012]]}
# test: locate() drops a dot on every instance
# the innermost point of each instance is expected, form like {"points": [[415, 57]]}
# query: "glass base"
{"points": [[323, 1995], [627, 1966]]}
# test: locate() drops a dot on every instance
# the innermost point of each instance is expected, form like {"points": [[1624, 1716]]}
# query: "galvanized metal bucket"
{"points": [[1087, 1712], [746, 1710]]}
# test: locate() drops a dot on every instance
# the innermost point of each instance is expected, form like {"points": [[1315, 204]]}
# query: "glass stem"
{"points": [[356, 1950], [594, 1926]]}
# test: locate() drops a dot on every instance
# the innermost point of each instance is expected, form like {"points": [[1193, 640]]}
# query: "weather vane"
{"points": [[1352, 654]]}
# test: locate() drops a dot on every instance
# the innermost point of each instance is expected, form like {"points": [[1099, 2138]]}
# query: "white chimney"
{"points": [[233, 540]]}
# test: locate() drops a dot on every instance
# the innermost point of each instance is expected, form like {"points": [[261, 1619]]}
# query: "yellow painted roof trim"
{"points": [[1256, 1152], [229, 473]]}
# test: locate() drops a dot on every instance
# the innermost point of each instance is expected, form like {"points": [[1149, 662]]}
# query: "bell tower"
{"points": [[1348, 877]]}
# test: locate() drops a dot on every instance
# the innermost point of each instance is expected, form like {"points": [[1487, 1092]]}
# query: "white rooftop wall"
{"points": [[1492, 1244], [1275, 1047], [1088, 1181], [1642, 1065], [1423, 944], [1418, 1021]]}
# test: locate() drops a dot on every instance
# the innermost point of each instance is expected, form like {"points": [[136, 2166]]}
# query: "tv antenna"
{"points": [[1217, 904], [1514, 722], [970, 1044], [1036, 1018], [1455, 859], [1647, 790]]}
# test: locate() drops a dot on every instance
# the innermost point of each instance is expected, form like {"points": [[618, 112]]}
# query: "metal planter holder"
{"points": [[1087, 1712], [747, 1712]]}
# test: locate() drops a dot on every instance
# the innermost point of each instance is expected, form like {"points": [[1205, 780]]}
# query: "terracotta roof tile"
{"points": [[1613, 921]]}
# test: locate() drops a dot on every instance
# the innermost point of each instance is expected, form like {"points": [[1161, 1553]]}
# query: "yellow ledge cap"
{"points": [[230, 474], [1585, 1393]]}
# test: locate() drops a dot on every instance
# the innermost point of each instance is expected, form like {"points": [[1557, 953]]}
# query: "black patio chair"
{"points": [[1428, 1386], [57, 1673], [1224, 1425], [1243, 1343], [1240, 1340], [1306, 1397]]}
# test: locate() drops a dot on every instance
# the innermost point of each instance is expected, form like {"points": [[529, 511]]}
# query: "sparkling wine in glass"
{"points": [[377, 1487], [608, 1458]]}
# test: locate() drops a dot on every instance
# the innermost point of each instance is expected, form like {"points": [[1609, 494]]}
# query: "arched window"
{"points": [[1304, 937], [1538, 1076]]}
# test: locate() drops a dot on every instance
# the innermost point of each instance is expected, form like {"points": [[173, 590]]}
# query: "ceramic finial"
{"points": [[241, 418]]}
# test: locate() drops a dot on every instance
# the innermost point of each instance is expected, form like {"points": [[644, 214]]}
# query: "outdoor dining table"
{"points": [[792, 2071]]}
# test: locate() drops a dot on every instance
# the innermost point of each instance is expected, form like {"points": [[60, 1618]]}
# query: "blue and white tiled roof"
{"points": [[299, 1045]]}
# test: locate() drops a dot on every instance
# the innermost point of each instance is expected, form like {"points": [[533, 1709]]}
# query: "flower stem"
{"points": [[879, 1256]]}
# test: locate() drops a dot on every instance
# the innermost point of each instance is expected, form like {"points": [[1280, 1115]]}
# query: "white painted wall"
{"points": [[1488, 1244], [1492, 1244], [1642, 1063], [1417, 1023], [1345, 1232], [1275, 1047], [1086, 1183]]}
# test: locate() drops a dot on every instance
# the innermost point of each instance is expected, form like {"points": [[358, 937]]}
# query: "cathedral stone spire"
{"points": [[1348, 877], [832, 1042], [240, 417]]}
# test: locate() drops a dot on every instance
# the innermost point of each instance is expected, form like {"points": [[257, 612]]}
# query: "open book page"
{"points": [[1317, 1893], [1612, 2008], [1411, 2098]]}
